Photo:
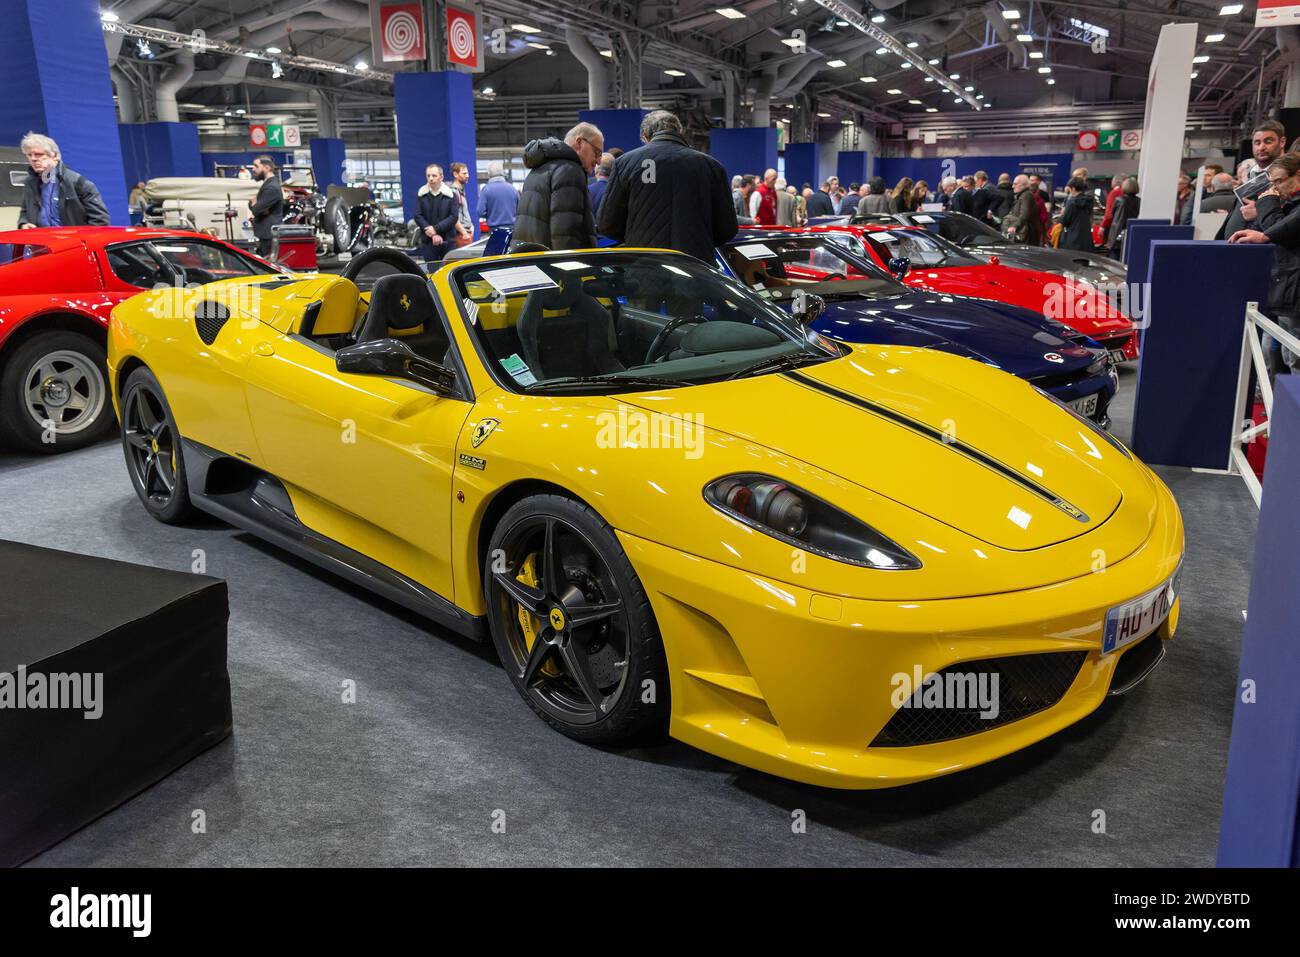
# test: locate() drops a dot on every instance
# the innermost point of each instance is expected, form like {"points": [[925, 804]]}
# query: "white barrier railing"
{"points": [[1252, 359]]}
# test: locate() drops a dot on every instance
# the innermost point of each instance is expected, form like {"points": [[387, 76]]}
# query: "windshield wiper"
{"points": [[609, 380], [778, 364]]}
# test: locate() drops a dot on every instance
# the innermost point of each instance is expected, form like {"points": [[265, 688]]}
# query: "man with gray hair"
{"points": [[53, 194], [1220, 197], [498, 199], [597, 189], [554, 205], [666, 195]]}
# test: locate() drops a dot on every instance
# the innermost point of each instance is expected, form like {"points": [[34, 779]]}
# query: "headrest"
{"points": [[336, 314], [404, 301]]}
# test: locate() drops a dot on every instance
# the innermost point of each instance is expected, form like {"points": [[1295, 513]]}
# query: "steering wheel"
{"points": [[652, 354], [387, 255]]}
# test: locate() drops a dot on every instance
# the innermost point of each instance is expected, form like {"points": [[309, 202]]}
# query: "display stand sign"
{"points": [[1277, 13]]}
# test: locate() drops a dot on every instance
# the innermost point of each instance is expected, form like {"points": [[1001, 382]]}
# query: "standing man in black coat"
{"points": [[268, 208], [53, 194], [820, 202], [666, 195], [554, 204], [437, 213], [984, 197], [1076, 217], [962, 199]]}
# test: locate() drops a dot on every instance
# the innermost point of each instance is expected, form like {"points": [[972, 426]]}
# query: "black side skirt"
{"points": [[256, 502]]}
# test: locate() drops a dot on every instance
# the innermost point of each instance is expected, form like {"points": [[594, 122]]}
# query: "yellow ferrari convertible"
{"points": [[669, 504]]}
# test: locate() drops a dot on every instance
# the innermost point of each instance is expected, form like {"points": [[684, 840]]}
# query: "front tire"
{"points": [[54, 393], [152, 446], [572, 623]]}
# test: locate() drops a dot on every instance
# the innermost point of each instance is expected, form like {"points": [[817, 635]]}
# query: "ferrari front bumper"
{"points": [[801, 684]]}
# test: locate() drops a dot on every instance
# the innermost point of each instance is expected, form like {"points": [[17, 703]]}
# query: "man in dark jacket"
{"points": [[268, 207], [1076, 217], [984, 198], [1004, 197], [55, 195], [666, 195], [437, 211], [962, 199], [1022, 223], [820, 203], [554, 205]]}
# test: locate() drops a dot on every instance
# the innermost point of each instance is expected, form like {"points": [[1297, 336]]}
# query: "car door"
{"points": [[367, 461]]}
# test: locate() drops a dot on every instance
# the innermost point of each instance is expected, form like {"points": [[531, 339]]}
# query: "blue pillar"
{"points": [[851, 167], [435, 124], [801, 161], [1194, 307], [1261, 796], [327, 159], [57, 83], [159, 149], [622, 128], [746, 150]]}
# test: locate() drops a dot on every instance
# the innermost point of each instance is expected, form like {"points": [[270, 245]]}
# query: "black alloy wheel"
{"points": [[572, 623], [152, 446]]}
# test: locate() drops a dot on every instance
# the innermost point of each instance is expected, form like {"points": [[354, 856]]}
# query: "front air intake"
{"points": [[1026, 684], [209, 317]]}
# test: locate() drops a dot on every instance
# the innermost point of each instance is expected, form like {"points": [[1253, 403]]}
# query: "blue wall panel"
{"points": [[933, 169], [801, 161], [328, 157], [851, 167], [159, 149], [57, 83], [1183, 413], [1261, 797], [744, 150], [622, 128], [1138, 237], [435, 124]]}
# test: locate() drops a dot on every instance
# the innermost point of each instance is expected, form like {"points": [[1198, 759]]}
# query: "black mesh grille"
{"points": [[209, 317], [1026, 684]]}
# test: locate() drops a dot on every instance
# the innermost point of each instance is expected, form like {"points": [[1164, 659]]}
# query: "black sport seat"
{"points": [[402, 307], [582, 342]]}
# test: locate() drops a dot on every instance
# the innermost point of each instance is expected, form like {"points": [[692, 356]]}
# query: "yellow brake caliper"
{"points": [[530, 624]]}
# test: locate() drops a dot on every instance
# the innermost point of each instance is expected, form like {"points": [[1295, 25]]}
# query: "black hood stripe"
{"points": [[943, 439]]}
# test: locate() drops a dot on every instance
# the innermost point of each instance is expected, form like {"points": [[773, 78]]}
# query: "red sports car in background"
{"points": [[939, 266], [57, 287]]}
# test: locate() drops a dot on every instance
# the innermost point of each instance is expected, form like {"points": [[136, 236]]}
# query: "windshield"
{"points": [[816, 264], [922, 248], [621, 322], [960, 229]]}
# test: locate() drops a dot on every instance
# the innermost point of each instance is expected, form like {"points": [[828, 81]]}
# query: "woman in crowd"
{"points": [[920, 194], [1277, 221], [1076, 216], [900, 200]]}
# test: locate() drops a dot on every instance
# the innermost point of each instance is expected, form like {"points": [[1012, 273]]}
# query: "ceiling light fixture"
{"points": [[731, 13], [525, 28], [1035, 54], [1010, 14], [1230, 9], [1201, 59], [674, 72], [915, 102], [108, 16], [1025, 37], [932, 109], [1044, 69], [894, 92], [867, 79], [835, 64], [273, 50], [1214, 38]]}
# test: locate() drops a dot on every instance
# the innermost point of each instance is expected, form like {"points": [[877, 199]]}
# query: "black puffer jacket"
{"points": [[1280, 221], [665, 195], [1076, 217], [79, 201], [554, 205]]}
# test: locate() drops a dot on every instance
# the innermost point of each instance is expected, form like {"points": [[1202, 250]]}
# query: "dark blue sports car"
{"points": [[865, 304]]}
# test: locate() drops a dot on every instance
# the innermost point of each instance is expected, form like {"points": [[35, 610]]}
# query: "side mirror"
{"points": [[899, 266], [395, 359], [807, 307]]}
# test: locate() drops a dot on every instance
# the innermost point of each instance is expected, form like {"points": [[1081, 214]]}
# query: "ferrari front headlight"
{"points": [[805, 521]]}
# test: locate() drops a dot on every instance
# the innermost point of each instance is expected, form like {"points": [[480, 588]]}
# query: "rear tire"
{"points": [[337, 225], [54, 393], [152, 446], [590, 661]]}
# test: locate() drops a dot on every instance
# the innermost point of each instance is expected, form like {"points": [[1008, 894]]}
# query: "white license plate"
{"points": [[1136, 619], [1117, 356], [1087, 406]]}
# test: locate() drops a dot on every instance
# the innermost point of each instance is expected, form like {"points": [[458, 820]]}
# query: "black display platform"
{"points": [[157, 641]]}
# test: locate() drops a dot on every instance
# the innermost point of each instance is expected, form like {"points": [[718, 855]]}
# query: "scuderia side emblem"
{"points": [[482, 431]]}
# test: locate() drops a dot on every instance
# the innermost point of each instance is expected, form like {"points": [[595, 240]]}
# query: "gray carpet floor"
{"points": [[438, 745]]}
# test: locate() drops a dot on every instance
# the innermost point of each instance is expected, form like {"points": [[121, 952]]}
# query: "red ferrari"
{"points": [[57, 287], [937, 265]]}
